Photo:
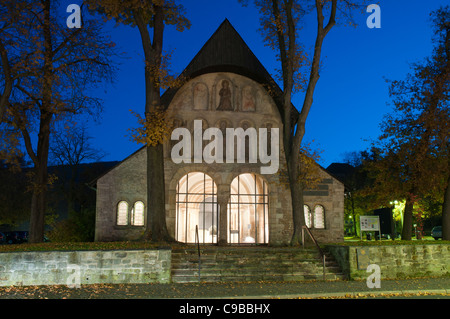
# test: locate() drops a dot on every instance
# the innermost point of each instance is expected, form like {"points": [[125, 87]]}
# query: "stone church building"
{"points": [[233, 202]]}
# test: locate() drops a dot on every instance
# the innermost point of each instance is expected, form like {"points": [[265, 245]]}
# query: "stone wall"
{"points": [[84, 267], [330, 194], [397, 261], [198, 99], [126, 182]]}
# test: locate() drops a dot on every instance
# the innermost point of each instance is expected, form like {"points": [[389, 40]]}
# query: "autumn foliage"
{"points": [[414, 149]]}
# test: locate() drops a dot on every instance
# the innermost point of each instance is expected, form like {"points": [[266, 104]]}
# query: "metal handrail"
{"points": [[197, 241], [316, 243]]}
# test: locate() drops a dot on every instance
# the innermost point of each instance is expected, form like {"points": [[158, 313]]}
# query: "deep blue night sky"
{"points": [[351, 96]]}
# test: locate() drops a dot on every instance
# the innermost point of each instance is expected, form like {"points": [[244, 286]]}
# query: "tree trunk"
{"points": [[156, 194], [446, 212], [38, 206], [156, 203], [292, 138], [407, 220], [40, 159], [297, 211], [4, 98]]}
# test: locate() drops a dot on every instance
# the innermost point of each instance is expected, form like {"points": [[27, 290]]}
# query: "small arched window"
{"points": [[137, 214], [308, 217], [319, 217], [122, 213]]}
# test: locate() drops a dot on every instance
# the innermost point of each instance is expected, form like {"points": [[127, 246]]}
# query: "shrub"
{"points": [[78, 228]]}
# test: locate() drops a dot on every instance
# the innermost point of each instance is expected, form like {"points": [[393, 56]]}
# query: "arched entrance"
{"points": [[248, 210], [196, 205]]}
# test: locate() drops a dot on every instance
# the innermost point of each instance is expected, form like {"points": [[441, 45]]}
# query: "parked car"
{"points": [[22, 236], [10, 237], [15, 237], [436, 232]]}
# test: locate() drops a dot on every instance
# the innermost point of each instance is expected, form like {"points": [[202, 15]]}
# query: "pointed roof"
{"points": [[226, 51]]}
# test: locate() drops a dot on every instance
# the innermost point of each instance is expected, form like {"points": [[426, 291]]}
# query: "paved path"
{"points": [[430, 287]]}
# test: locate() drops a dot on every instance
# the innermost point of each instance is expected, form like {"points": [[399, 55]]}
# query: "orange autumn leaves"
{"points": [[153, 130]]}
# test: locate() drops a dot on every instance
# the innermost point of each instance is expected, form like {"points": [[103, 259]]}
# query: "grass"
{"points": [[127, 245], [79, 246], [356, 241]]}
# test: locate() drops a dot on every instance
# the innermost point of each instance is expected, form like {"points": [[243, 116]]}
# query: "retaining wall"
{"points": [[85, 267], [397, 261], [153, 266]]}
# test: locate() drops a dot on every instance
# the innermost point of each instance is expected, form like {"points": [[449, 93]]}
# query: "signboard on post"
{"points": [[369, 223]]}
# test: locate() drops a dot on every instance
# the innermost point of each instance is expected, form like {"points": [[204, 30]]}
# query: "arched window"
{"points": [[319, 217], [196, 206], [308, 216], [122, 213], [137, 214], [248, 210]]}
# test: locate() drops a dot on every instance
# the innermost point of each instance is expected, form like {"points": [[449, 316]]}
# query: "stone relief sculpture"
{"points": [[200, 97], [248, 100], [225, 97]]}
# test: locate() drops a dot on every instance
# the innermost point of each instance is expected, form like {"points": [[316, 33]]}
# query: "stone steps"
{"points": [[219, 264]]}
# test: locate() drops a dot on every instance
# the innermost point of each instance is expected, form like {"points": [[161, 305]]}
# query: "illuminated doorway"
{"points": [[248, 210], [196, 205]]}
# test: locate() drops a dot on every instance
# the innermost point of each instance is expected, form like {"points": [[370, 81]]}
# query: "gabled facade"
{"points": [[229, 202]]}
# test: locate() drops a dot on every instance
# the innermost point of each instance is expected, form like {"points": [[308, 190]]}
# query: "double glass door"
{"points": [[247, 210]]}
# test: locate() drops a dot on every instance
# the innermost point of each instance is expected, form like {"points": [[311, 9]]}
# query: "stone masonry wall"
{"points": [[330, 194], [84, 267], [398, 261], [126, 182], [197, 100]]}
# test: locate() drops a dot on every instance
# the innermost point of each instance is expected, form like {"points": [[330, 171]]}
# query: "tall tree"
{"points": [[58, 65], [280, 24], [415, 141], [146, 15]]}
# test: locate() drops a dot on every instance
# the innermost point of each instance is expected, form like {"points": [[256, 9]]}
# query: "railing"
{"points": [[322, 254], [197, 241]]}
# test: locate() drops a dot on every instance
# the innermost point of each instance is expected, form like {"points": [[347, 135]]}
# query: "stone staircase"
{"points": [[247, 264]]}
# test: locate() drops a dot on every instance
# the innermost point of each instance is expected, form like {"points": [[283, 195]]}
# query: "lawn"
{"points": [[427, 240], [79, 246], [76, 246]]}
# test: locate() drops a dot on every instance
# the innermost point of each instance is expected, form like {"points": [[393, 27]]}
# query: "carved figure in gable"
{"points": [[200, 96], [225, 97], [248, 99]]}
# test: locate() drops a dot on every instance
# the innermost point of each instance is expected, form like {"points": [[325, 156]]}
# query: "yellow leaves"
{"points": [[160, 73], [38, 187], [154, 129], [309, 170], [10, 150], [123, 11]]}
